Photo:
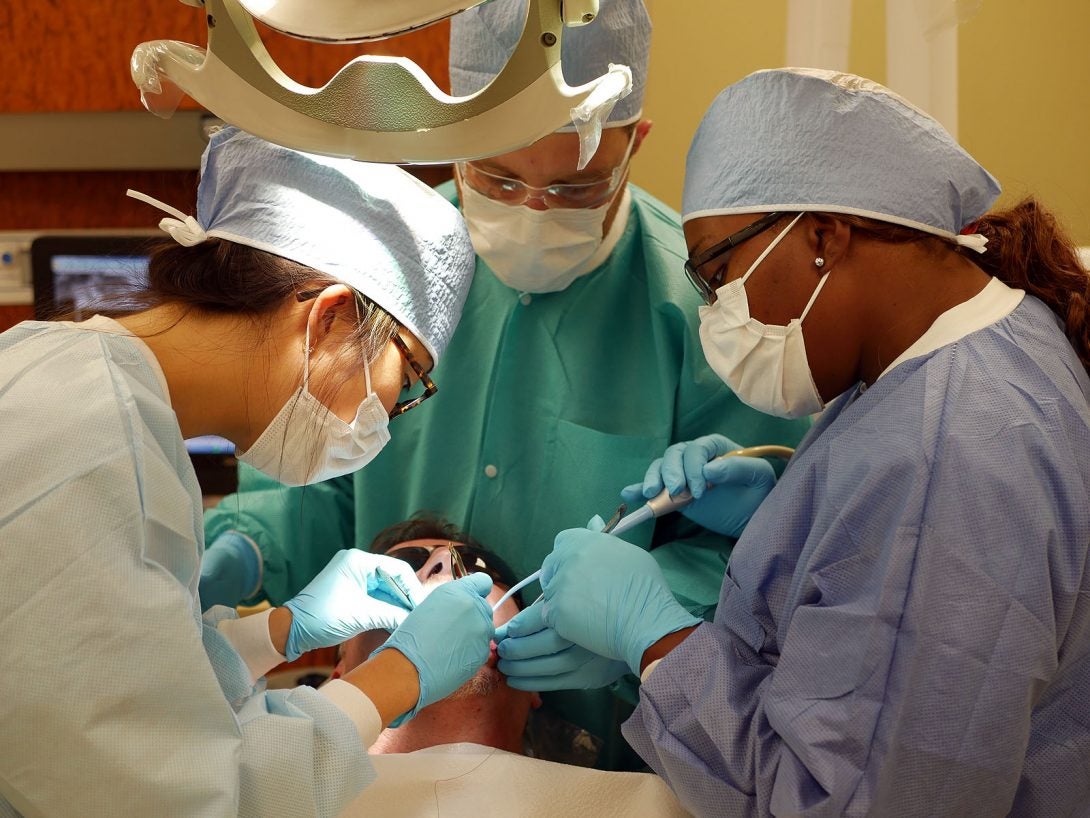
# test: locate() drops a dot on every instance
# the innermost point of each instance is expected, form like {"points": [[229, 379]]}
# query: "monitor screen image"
{"points": [[83, 283]]}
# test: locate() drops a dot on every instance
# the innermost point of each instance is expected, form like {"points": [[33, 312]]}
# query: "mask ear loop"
{"points": [[622, 168], [356, 296], [306, 360], [769, 249], [813, 298]]}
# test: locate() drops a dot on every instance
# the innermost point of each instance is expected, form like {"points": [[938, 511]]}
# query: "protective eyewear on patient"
{"points": [[561, 195], [464, 559], [708, 286]]}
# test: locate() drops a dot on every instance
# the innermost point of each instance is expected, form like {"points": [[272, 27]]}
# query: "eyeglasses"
{"points": [[403, 406], [464, 559], [707, 286], [513, 192]]}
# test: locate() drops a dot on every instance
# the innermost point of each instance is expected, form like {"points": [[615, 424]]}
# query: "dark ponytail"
{"points": [[1028, 249], [226, 278]]}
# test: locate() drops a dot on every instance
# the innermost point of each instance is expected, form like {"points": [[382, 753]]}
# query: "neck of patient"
{"points": [[469, 720]]}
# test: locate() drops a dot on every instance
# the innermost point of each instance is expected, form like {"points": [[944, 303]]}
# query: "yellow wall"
{"points": [[1023, 96]]}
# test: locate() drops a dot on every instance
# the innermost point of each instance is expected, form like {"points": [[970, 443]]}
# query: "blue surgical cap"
{"points": [[373, 227], [483, 39], [801, 139]]}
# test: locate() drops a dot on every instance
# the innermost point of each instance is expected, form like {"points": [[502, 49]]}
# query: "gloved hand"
{"points": [[347, 597], [230, 571], [536, 658], [608, 596], [446, 638], [727, 492]]}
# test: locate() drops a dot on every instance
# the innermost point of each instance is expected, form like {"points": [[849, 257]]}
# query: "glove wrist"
{"points": [[676, 621], [294, 647]]}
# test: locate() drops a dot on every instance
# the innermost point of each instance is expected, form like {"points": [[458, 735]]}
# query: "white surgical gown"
{"points": [[115, 697], [905, 626]]}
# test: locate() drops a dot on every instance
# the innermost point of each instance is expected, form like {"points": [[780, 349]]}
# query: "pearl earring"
{"points": [[819, 262]]}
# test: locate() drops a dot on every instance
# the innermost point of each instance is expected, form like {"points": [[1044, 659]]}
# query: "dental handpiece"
{"points": [[661, 504], [664, 502]]}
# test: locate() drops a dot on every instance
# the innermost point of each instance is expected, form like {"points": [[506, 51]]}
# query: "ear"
{"points": [[829, 237], [643, 128], [335, 302]]}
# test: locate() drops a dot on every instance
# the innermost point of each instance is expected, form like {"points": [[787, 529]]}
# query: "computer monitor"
{"points": [[75, 274]]}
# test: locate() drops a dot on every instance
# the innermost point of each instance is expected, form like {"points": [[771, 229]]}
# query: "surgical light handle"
{"points": [[662, 504]]}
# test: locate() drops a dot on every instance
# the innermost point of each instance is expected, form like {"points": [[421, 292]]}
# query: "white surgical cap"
{"points": [[373, 227], [483, 38], [801, 139]]}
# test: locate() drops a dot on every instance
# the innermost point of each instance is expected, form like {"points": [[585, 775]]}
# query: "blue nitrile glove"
{"points": [[230, 571], [536, 658], [346, 598], [446, 638], [726, 492], [608, 596]]}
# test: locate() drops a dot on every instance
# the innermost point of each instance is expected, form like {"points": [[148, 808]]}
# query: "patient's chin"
{"points": [[485, 682]]}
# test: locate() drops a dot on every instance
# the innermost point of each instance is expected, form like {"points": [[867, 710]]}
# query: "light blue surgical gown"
{"points": [[905, 626], [115, 697]]}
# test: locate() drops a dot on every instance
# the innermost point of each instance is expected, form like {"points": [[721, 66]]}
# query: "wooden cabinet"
{"points": [[72, 57]]}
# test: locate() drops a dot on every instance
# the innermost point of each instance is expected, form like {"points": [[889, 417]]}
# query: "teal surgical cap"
{"points": [[374, 227], [483, 38], [800, 139]]}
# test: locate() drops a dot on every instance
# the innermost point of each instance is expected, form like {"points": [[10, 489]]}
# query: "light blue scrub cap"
{"points": [[374, 227], [483, 39], [800, 139]]}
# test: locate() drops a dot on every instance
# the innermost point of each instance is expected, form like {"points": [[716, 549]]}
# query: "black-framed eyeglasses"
{"points": [[707, 286], [403, 406]]}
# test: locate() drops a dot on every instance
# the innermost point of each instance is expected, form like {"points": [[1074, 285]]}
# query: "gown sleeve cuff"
{"points": [[647, 671], [357, 706], [250, 637]]}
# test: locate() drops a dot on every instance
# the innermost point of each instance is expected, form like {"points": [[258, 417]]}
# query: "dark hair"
{"points": [[1036, 255], [1028, 250], [427, 526], [226, 278], [221, 277]]}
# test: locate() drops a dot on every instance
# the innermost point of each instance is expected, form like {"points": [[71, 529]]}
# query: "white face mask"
{"points": [[306, 443], [765, 365], [537, 251]]}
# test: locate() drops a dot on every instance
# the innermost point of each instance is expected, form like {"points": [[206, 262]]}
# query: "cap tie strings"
{"points": [[185, 230]]}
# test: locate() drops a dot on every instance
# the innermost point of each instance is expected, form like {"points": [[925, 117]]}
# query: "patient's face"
{"points": [[435, 571]]}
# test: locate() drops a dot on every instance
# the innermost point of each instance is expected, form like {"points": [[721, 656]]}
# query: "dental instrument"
{"points": [[662, 504], [457, 567], [395, 588]]}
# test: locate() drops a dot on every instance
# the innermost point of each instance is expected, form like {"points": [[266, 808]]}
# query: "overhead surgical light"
{"points": [[378, 109]]}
